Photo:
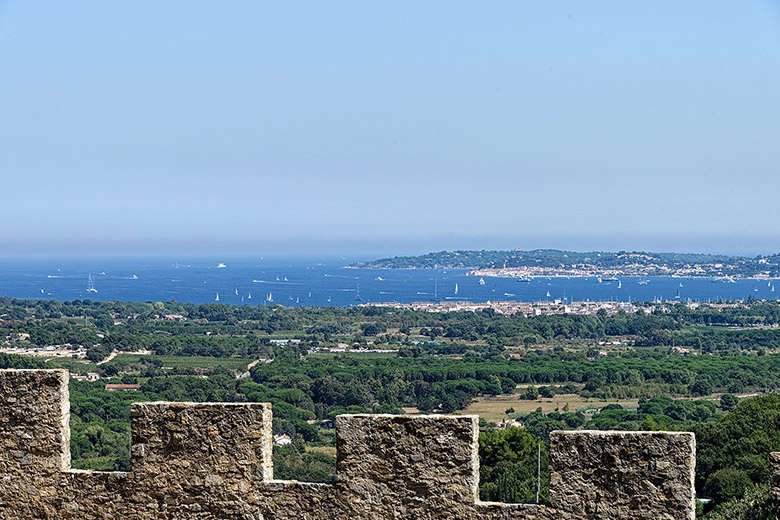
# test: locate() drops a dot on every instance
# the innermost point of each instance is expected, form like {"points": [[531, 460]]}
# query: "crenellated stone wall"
{"points": [[209, 461]]}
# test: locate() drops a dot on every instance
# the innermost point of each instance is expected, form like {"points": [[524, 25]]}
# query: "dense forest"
{"points": [[683, 367]]}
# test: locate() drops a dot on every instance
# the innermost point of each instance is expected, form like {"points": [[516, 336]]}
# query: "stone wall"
{"points": [[213, 461]]}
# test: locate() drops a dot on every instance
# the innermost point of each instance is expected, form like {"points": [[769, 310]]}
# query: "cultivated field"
{"points": [[493, 408], [235, 364]]}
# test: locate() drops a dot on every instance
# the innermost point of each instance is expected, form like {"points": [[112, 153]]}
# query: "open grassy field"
{"points": [[326, 450], [67, 363], [235, 364], [493, 408]]}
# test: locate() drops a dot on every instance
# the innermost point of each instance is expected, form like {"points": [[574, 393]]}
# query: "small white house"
{"points": [[282, 440]]}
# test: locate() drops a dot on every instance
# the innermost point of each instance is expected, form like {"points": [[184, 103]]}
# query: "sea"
{"points": [[328, 281]]}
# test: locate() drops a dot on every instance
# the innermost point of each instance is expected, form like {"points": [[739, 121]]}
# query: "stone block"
{"points": [[193, 447], [408, 461], [626, 475]]}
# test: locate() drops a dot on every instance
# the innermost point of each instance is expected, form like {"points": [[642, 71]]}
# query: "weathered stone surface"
{"points": [[212, 461], [630, 475]]}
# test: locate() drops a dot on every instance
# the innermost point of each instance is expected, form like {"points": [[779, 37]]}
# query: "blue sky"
{"points": [[388, 127]]}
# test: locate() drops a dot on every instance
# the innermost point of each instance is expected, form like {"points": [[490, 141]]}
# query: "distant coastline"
{"points": [[558, 263]]}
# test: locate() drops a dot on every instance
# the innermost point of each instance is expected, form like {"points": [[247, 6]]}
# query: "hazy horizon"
{"points": [[297, 128]]}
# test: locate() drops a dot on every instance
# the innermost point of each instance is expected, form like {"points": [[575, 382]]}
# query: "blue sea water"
{"points": [[326, 281]]}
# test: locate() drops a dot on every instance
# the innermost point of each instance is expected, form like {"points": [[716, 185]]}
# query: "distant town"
{"points": [[546, 308]]}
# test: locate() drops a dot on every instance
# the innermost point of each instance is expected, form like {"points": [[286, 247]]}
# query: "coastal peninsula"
{"points": [[560, 263]]}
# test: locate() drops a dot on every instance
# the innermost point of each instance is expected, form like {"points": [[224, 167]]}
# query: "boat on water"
{"points": [[524, 279], [269, 298], [548, 294], [620, 284], [91, 284], [217, 298], [456, 288], [723, 279], [249, 296], [643, 282], [599, 279], [221, 265], [134, 277], [236, 292], [609, 279], [379, 279], [481, 281]]}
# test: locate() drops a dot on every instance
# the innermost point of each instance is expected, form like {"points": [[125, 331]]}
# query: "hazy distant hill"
{"points": [[554, 258], [442, 259]]}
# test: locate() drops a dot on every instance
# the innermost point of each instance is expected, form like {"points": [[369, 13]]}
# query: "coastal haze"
{"points": [[195, 128]]}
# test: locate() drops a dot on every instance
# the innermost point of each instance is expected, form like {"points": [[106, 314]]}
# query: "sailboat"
{"points": [[217, 298], [481, 281], [236, 292], [249, 296], [456, 288], [91, 284], [269, 298], [620, 284], [548, 294]]}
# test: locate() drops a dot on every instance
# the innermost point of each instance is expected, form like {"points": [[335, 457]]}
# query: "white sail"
{"points": [[91, 284]]}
